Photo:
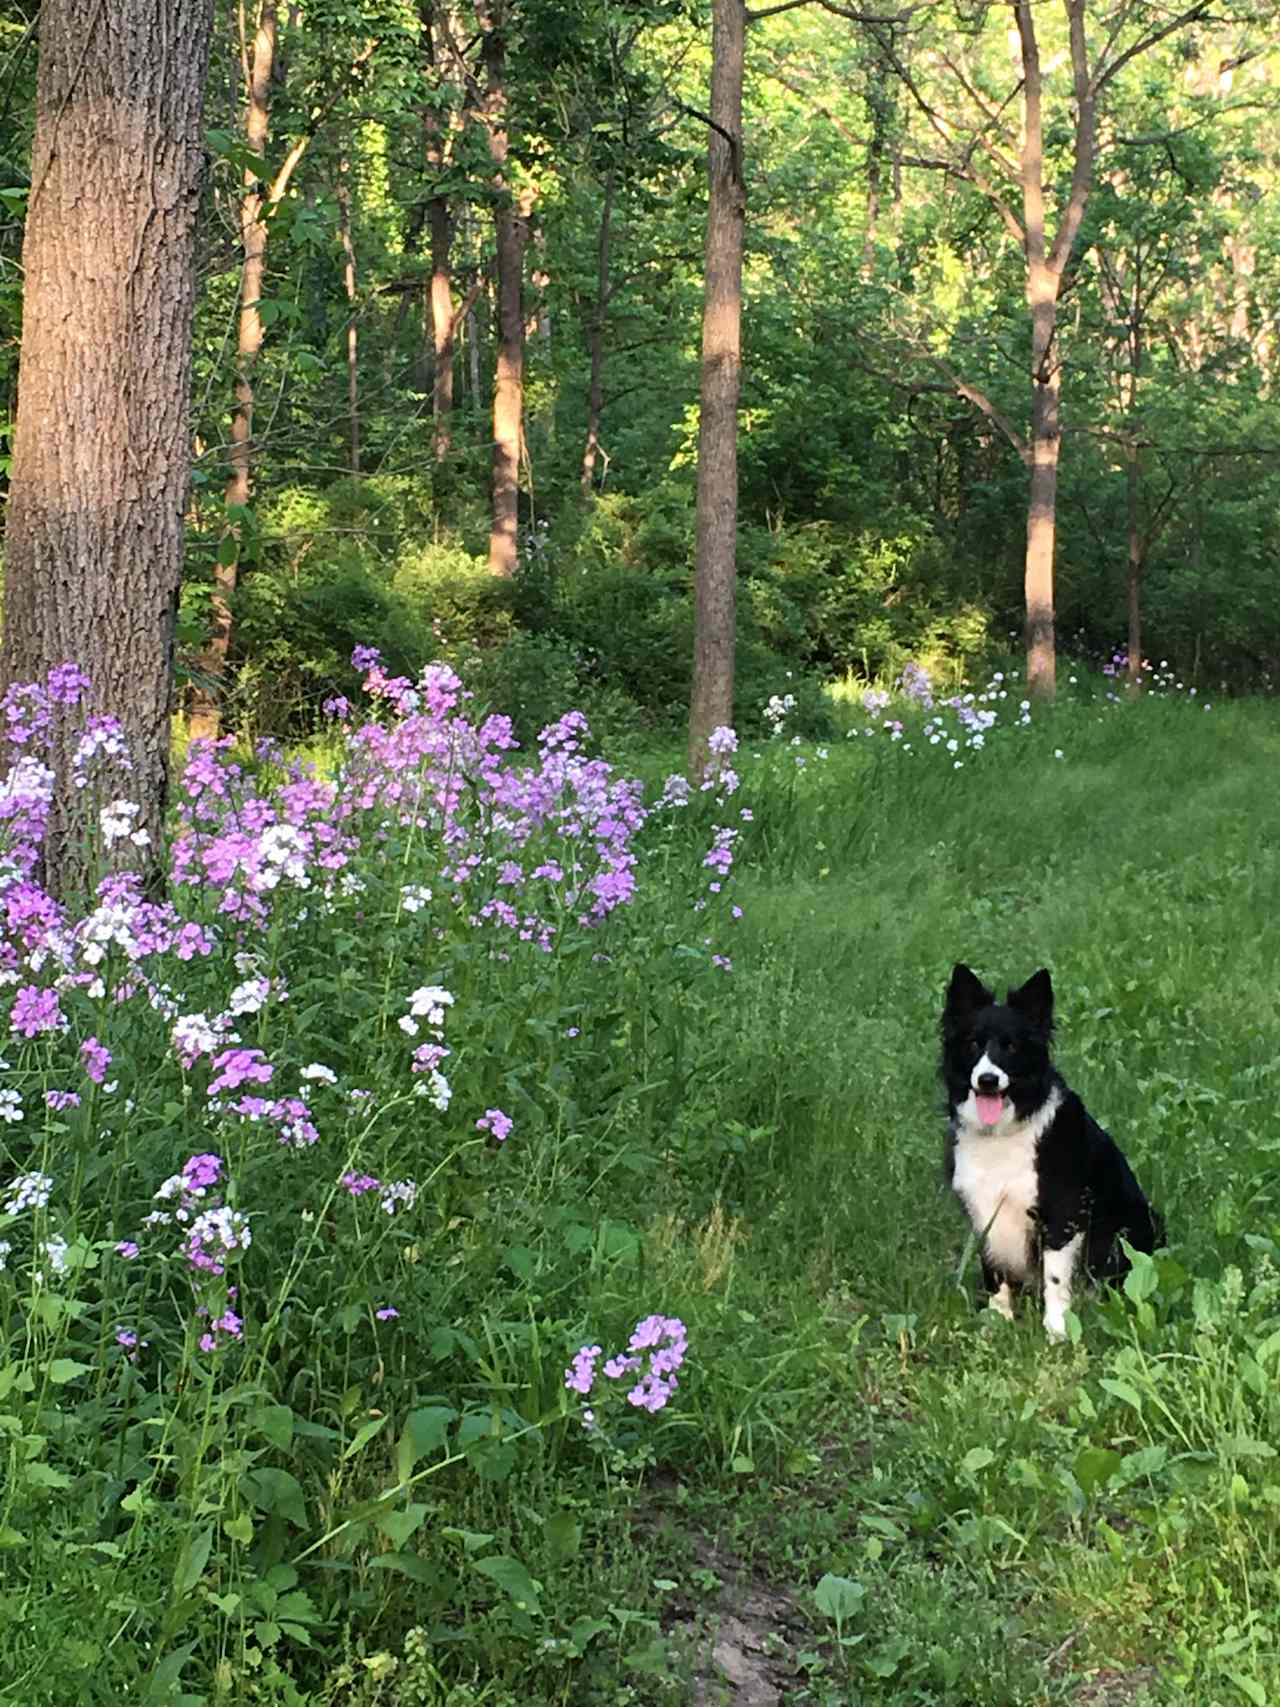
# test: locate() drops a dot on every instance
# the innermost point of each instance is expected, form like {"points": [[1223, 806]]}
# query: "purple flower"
{"points": [[36, 1011], [200, 1172], [387, 1313], [236, 1067], [581, 1373], [495, 1121], [358, 1184], [96, 1058], [60, 1100], [127, 1249], [365, 658]]}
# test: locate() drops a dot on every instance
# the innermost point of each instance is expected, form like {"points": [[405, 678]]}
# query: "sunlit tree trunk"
{"points": [[711, 700], [510, 228], [353, 334], [101, 459], [595, 339]]}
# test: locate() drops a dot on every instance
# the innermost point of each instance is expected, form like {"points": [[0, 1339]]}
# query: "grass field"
{"points": [[865, 1488]]}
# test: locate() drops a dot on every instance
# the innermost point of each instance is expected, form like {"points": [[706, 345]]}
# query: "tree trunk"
{"points": [[1042, 513], [353, 335], [442, 327], [510, 228], [205, 707], [595, 340], [1136, 565], [101, 460], [711, 699]]}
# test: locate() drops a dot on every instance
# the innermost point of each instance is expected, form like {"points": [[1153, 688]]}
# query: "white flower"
{"points": [[249, 997], [401, 1191], [55, 1251], [1058, 753], [408, 1026], [5, 1248], [10, 1107], [414, 897], [28, 1191], [429, 1003], [319, 1072]]}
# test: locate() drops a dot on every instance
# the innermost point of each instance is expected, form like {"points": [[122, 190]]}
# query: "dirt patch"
{"points": [[741, 1648]]}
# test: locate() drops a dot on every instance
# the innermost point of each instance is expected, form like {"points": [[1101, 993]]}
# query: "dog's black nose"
{"points": [[988, 1082]]}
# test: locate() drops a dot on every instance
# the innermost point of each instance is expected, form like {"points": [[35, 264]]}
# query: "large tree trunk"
{"points": [[511, 228], [205, 708], [595, 340], [443, 327], [711, 700], [101, 460]]}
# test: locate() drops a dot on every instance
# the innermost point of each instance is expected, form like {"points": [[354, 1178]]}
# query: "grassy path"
{"points": [[1007, 1522]]}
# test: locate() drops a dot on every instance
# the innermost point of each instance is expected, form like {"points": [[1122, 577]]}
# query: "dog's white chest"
{"points": [[995, 1178]]}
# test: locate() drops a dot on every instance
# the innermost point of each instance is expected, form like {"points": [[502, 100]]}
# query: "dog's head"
{"points": [[996, 1055]]}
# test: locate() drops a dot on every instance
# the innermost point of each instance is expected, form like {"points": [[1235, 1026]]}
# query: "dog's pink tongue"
{"points": [[989, 1108]]}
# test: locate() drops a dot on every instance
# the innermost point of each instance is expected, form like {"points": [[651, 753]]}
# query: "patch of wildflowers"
{"points": [[28, 1191]]}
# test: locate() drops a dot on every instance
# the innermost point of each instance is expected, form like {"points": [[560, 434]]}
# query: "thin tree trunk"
{"points": [[510, 228], [1136, 564], [353, 335], [443, 323], [1045, 267], [711, 699], [205, 709], [352, 330], [101, 459], [595, 339]]}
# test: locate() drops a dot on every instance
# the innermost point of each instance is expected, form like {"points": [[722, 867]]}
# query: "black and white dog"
{"points": [[1047, 1190]]}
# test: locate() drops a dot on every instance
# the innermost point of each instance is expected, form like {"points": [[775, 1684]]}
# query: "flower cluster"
{"points": [[495, 1121], [655, 1352]]}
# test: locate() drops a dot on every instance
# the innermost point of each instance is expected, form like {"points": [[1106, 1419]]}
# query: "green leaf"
{"points": [[1147, 1461], [425, 1431], [193, 1559], [472, 1539], [1250, 1687], [1122, 1390], [838, 1598], [45, 1476], [64, 1369], [1095, 1465], [400, 1525], [583, 1631], [276, 1423], [239, 1528], [365, 1434], [512, 1578], [977, 1458], [1143, 1278], [274, 1490]]}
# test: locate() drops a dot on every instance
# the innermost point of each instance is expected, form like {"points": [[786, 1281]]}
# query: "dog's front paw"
{"points": [[1055, 1325], [1001, 1302]]}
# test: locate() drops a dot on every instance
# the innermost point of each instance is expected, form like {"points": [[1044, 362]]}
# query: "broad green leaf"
{"points": [[838, 1598], [64, 1369], [275, 1490], [977, 1458], [511, 1576], [193, 1559], [400, 1525], [1095, 1465]]}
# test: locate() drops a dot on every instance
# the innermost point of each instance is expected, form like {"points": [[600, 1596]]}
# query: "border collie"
{"points": [[1047, 1190]]}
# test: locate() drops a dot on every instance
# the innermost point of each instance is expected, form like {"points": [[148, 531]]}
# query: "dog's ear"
{"points": [[966, 992], [1034, 1001]]}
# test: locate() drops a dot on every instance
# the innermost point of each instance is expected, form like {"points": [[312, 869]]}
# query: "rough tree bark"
{"points": [[510, 229], [711, 699], [101, 458]]}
